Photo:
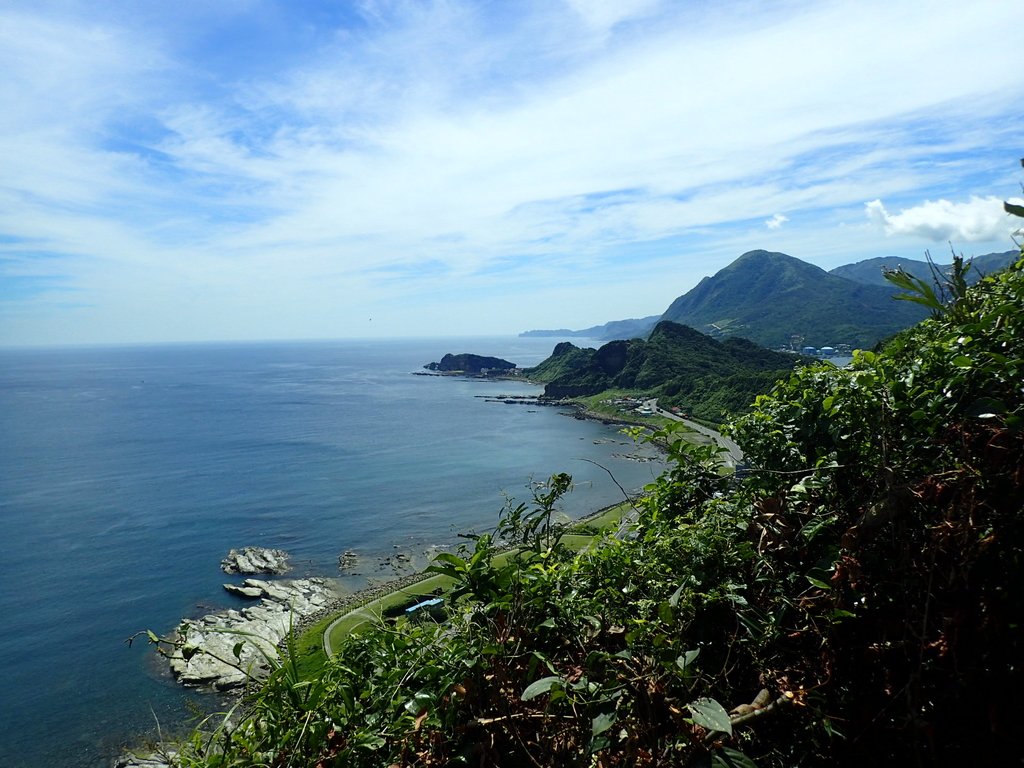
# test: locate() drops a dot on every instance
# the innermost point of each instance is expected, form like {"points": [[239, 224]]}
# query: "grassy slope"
{"points": [[309, 645]]}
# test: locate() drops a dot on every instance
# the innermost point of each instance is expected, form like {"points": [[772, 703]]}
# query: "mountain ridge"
{"points": [[780, 299], [771, 297], [871, 270]]}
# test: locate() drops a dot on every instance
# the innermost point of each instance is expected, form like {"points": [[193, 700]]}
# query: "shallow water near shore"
{"points": [[126, 474]]}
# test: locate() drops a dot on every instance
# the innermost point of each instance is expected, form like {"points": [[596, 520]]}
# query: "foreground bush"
{"points": [[853, 599]]}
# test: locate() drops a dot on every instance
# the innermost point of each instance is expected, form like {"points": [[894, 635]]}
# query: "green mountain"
{"points": [[870, 271], [677, 364], [770, 298], [566, 359]]}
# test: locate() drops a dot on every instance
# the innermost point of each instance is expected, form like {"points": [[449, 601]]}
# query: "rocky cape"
{"points": [[227, 649], [283, 604], [469, 363]]}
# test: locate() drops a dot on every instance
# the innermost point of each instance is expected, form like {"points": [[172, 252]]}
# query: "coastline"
{"points": [[279, 444], [353, 600], [156, 755], [344, 602], [318, 622]]}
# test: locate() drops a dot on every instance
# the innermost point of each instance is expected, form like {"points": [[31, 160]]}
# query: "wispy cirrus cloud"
{"points": [[462, 147]]}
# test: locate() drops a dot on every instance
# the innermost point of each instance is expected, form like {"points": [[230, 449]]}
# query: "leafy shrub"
{"points": [[859, 586]]}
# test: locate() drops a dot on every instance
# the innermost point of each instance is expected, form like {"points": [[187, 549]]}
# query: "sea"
{"points": [[128, 472]]}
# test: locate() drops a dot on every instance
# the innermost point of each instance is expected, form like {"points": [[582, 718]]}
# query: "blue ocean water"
{"points": [[126, 473]]}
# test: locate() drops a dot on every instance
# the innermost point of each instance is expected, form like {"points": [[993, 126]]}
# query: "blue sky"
{"points": [[247, 169]]}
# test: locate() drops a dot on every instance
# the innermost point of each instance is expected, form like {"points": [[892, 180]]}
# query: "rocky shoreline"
{"points": [[226, 650], [210, 661]]}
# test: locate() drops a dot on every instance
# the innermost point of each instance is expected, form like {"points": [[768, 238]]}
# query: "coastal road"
{"points": [[733, 455]]}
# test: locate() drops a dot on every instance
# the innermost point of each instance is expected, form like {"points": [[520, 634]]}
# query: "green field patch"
{"points": [[333, 629]]}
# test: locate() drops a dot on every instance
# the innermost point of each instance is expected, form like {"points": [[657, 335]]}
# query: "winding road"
{"points": [[372, 610], [733, 455]]}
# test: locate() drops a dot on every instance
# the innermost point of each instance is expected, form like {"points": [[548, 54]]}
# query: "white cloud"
{"points": [[981, 219], [605, 14], [485, 140]]}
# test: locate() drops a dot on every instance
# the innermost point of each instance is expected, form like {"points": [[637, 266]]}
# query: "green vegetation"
{"points": [[770, 297], [873, 270], [781, 284], [853, 599], [680, 366], [309, 645], [469, 363], [604, 406], [309, 648], [566, 359]]}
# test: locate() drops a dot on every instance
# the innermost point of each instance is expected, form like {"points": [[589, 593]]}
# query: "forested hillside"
{"points": [[872, 271], [772, 297], [854, 599], [680, 366]]}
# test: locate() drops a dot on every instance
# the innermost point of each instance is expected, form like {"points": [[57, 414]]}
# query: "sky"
{"points": [[305, 169]]}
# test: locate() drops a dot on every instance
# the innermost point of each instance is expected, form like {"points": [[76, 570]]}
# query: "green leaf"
{"points": [[371, 742], [818, 583], [538, 687], [237, 650], [1016, 210], [448, 557], [815, 527], [727, 757], [602, 723], [687, 659], [674, 600], [152, 637], [419, 702], [665, 612], [986, 408], [962, 361], [709, 714]]}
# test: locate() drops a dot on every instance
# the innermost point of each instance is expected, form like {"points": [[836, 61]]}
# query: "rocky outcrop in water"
{"points": [[224, 650], [255, 560]]}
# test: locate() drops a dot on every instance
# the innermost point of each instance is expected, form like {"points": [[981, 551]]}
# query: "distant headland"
{"points": [[473, 364]]}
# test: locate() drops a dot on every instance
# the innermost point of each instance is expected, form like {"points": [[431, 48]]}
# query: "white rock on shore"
{"points": [[255, 560], [209, 659], [154, 760]]}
